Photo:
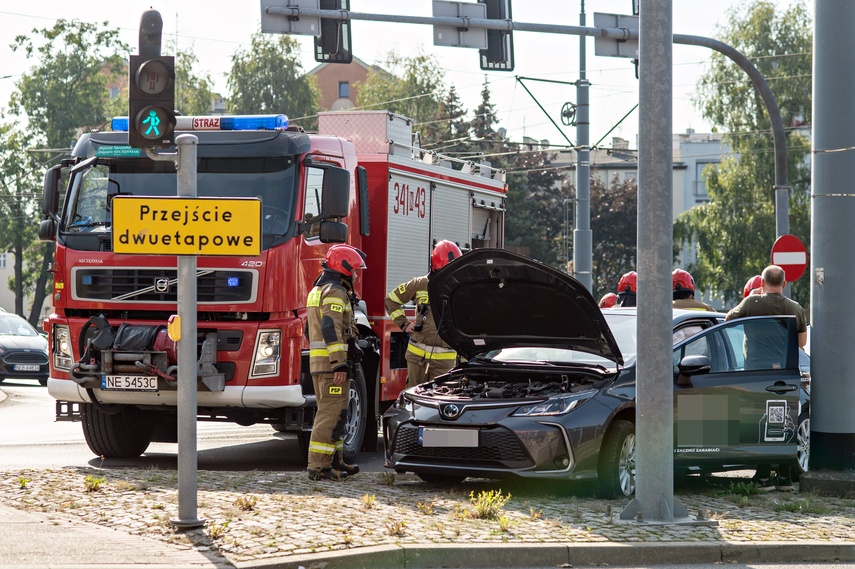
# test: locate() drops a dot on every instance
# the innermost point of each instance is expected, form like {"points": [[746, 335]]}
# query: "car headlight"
{"points": [[265, 361], [62, 355], [557, 405]]}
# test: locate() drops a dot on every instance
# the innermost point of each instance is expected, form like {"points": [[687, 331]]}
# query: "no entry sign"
{"points": [[790, 254]]}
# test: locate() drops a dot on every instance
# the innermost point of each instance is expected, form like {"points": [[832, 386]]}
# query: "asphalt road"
{"points": [[32, 438]]}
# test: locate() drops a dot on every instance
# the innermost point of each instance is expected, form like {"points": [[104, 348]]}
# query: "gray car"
{"points": [[23, 351], [546, 385]]}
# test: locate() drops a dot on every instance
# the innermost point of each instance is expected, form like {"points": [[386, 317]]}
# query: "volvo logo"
{"points": [[161, 284], [451, 411]]}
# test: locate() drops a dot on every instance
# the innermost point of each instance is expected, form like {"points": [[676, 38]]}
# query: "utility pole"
{"points": [[832, 425], [582, 238]]}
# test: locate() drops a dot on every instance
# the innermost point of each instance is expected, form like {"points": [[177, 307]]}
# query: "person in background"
{"points": [[627, 288], [683, 286], [609, 300], [427, 354], [331, 327], [754, 285], [770, 300]]}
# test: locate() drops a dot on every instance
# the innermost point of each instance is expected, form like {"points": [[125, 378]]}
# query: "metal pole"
{"points": [[187, 360], [833, 248], [582, 238], [654, 442]]}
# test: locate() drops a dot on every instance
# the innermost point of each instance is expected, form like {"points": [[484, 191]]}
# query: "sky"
{"points": [[214, 34]]}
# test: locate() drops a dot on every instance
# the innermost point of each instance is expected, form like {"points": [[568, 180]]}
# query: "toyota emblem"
{"points": [[451, 411], [161, 285]]}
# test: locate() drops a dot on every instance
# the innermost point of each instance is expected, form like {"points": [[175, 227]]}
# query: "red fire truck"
{"points": [[362, 179]]}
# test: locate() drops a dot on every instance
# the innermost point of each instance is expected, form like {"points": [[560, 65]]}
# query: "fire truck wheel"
{"points": [[357, 415], [124, 434]]}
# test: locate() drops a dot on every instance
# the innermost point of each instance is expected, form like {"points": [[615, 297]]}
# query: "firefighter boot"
{"points": [[327, 474], [343, 467]]}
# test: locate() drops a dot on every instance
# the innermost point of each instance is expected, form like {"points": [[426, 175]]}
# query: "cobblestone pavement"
{"points": [[253, 516]]}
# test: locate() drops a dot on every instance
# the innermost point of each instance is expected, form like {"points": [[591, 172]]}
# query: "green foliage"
{"points": [[67, 89], [193, 94], [488, 504], [269, 78], [734, 232], [411, 86], [93, 483], [246, 503], [802, 506], [614, 224]]}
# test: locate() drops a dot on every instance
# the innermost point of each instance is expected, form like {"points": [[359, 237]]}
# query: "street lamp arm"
{"points": [[782, 182]]}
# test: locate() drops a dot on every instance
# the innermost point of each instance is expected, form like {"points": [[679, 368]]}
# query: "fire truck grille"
{"points": [[161, 285], [495, 448]]}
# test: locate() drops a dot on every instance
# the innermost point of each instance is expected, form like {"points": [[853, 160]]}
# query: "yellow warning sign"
{"points": [[187, 226]]}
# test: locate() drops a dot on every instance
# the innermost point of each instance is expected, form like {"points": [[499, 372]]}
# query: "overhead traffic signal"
{"points": [[499, 55], [151, 101], [333, 43]]}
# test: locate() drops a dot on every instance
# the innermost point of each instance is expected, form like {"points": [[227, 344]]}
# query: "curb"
{"points": [[563, 555]]}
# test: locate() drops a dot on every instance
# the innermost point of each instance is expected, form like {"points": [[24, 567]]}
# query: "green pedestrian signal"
{"points": [[151, 101]]}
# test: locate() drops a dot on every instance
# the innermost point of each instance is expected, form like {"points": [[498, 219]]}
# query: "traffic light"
{"points": [[499, 55], [151, 101], [333, 45]]}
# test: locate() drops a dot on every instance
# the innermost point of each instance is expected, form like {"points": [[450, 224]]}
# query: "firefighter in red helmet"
{"points": [[754, 285], [627, 288], [427, 354], [609, 300], [683, 287], [332, 351]]}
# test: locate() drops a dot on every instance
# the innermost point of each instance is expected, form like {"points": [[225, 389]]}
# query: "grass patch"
{"points": [[801, 506]]}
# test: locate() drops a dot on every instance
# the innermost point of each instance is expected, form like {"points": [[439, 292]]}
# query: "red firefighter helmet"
{"points": [[628, 282], [443, 253], [344, 259], [754, 282], [609, 299], [682, 280]]}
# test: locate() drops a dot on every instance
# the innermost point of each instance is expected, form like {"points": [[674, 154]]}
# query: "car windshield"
{"points": [[624, 330], [15, 326], [272, 179], [547, 355]]}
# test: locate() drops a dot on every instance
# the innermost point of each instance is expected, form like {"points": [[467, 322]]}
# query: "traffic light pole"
{"points": [[782, 226]]}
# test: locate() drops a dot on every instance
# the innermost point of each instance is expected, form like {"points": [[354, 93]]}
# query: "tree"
{"points": [[411, 86], [193, 94], [734, 232], [269, 78], [65, 92], [614, 224]]}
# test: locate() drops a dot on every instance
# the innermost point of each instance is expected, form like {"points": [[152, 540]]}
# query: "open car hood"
{"points": [[492, 298]]}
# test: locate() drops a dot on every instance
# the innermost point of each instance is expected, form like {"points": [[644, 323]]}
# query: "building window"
{"points": [[343, 90], [114, 92], [2, 260]]}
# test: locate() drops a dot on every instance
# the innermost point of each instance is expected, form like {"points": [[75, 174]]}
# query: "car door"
{"points": [[745, 409]]}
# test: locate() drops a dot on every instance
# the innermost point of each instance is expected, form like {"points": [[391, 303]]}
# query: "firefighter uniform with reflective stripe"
{"points": [[427, 354], [330, 323]]}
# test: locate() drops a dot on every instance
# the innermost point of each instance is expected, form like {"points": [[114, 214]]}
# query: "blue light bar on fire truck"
{"points": [[238, 122]]}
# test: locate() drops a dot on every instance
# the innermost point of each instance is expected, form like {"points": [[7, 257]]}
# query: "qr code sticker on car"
{"points": [[776, 414]]}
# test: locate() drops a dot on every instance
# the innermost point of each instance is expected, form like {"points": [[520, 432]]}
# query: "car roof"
{"points": [[680, 314]]}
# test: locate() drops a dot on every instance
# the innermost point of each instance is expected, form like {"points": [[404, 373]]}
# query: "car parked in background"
{"points": [[547, 389], [23, 351]]}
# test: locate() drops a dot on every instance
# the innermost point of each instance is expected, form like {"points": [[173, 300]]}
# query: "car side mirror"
{"points": [[692, 365]]}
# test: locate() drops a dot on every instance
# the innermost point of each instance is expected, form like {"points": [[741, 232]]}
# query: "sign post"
{"points": [[790, 254]]}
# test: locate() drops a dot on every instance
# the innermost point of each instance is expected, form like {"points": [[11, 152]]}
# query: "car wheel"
{"points": [[803, 443], [441, 479], [357, 416], [616, 473], [122, 434]]}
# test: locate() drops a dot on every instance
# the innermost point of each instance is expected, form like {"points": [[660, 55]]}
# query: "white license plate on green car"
{"points": [[27, 367], [129, 382]]}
